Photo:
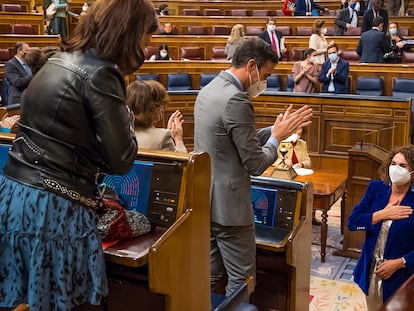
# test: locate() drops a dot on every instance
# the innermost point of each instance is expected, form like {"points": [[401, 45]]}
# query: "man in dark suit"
{"points": [[347, 18], [372, 44], [17, 73], [334, 73], [305, 7], [274, 37], [224, 127], [370, 14]]}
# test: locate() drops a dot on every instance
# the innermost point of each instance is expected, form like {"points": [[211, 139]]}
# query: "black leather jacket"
{"points": [[74, 125]]}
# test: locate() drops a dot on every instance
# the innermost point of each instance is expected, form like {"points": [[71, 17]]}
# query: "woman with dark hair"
{"points": [[36, 58], [162, 53], [74, 126], [385, 213], [147, 100], [306, 72]]}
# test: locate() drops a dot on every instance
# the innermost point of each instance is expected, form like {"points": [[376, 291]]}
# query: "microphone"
{"points": [[375, 131]]}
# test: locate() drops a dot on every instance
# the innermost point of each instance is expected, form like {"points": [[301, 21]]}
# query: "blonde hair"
{"points": [[237, 34]]}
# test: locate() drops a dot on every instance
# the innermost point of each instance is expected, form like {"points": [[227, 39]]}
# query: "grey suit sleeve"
{"points": [[264, 134], [239, 122], [340, 20]]}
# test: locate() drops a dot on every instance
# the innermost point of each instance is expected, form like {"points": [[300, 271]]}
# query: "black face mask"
{"points": [[165, 12], [138, 62]]}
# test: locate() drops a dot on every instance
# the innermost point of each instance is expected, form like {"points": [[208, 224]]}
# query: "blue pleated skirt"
{"points": [[50, 250]]}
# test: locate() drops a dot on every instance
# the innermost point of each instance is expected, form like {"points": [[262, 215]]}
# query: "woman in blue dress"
{"points": [[385, 213], [74, 126]]}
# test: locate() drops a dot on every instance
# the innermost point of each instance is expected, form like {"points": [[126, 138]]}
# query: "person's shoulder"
{"points": [[377, 184]]}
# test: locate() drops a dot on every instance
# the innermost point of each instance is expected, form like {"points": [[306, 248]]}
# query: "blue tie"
{"points": [[27, 69]]}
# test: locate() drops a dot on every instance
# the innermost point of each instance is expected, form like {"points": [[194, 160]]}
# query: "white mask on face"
{"points": [[163, 54], [271, 27], [399, 175], [292, 138], [313, 59], [257, 88], [324, 31]]}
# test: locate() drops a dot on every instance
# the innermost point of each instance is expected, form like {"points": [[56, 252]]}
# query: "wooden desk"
{"points": [[328, 187], [403, 298]]}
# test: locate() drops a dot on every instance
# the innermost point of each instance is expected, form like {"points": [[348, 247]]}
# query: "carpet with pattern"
{"points": [[332, 287]]}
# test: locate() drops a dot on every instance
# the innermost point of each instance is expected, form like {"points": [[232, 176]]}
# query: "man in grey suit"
{"points": [[17, 73], [372, 44], [225, 128]]}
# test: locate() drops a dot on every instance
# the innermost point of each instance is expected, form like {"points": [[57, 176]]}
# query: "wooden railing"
{"points": [[338, 121], [9, 18], [182, 22], [388, 72]]}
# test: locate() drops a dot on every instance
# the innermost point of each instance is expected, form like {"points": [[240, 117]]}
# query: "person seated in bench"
{"points": [[147, 100], [8, 124], [306, 72], [297, 157], [168, 30], [162, 54]]}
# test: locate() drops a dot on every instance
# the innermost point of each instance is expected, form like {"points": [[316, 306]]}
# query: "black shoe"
{"points": [[316, 222]]}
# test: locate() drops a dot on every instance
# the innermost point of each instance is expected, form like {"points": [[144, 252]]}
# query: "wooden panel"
{"points": [[330, 135], [388, 71], [182, 22], [34, 19], [176, 7]]}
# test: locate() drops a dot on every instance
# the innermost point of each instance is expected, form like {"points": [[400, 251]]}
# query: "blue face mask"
{"points": [[333, 57], [352, 5], [393, 31]]}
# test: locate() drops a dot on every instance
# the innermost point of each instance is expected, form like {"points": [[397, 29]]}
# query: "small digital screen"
{"points": [[134, 187], [4, 155], [264, 205]]}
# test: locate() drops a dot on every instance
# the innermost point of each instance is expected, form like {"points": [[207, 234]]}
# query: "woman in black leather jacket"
{"points": [[74, 126]]}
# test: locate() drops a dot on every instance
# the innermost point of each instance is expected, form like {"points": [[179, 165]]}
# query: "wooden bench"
{"points": [[387, 71], [176, 7], [25, 4], [338, 122], [208, 42], [33, 19], [182, 22]]}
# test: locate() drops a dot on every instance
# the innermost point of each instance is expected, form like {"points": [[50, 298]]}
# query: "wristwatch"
{"points": [[404, 262]]}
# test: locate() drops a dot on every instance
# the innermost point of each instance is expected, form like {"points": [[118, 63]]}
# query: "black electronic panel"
{"points": [[152, 188]]}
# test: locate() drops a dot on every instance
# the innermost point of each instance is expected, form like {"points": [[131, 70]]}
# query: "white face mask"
{"points": [[399, 175], [257, 88], [163, 54], [324, 31], [84, 8], [292, 138], [313, 59], [271, 27]]}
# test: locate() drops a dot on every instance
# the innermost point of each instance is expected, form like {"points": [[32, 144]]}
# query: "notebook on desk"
{"points": [[276, 207]]}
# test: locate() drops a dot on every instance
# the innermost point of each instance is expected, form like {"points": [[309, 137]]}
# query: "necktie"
{"points": [[294, 157], [27, 69], [308, 6], [275, 45]]}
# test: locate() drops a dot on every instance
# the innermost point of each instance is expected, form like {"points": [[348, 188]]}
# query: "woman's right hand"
{"points": [[10, 122], [176, 115], [395, 211]]}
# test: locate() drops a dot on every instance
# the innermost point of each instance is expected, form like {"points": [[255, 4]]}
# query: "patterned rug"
{"points": [[331, 286]]}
